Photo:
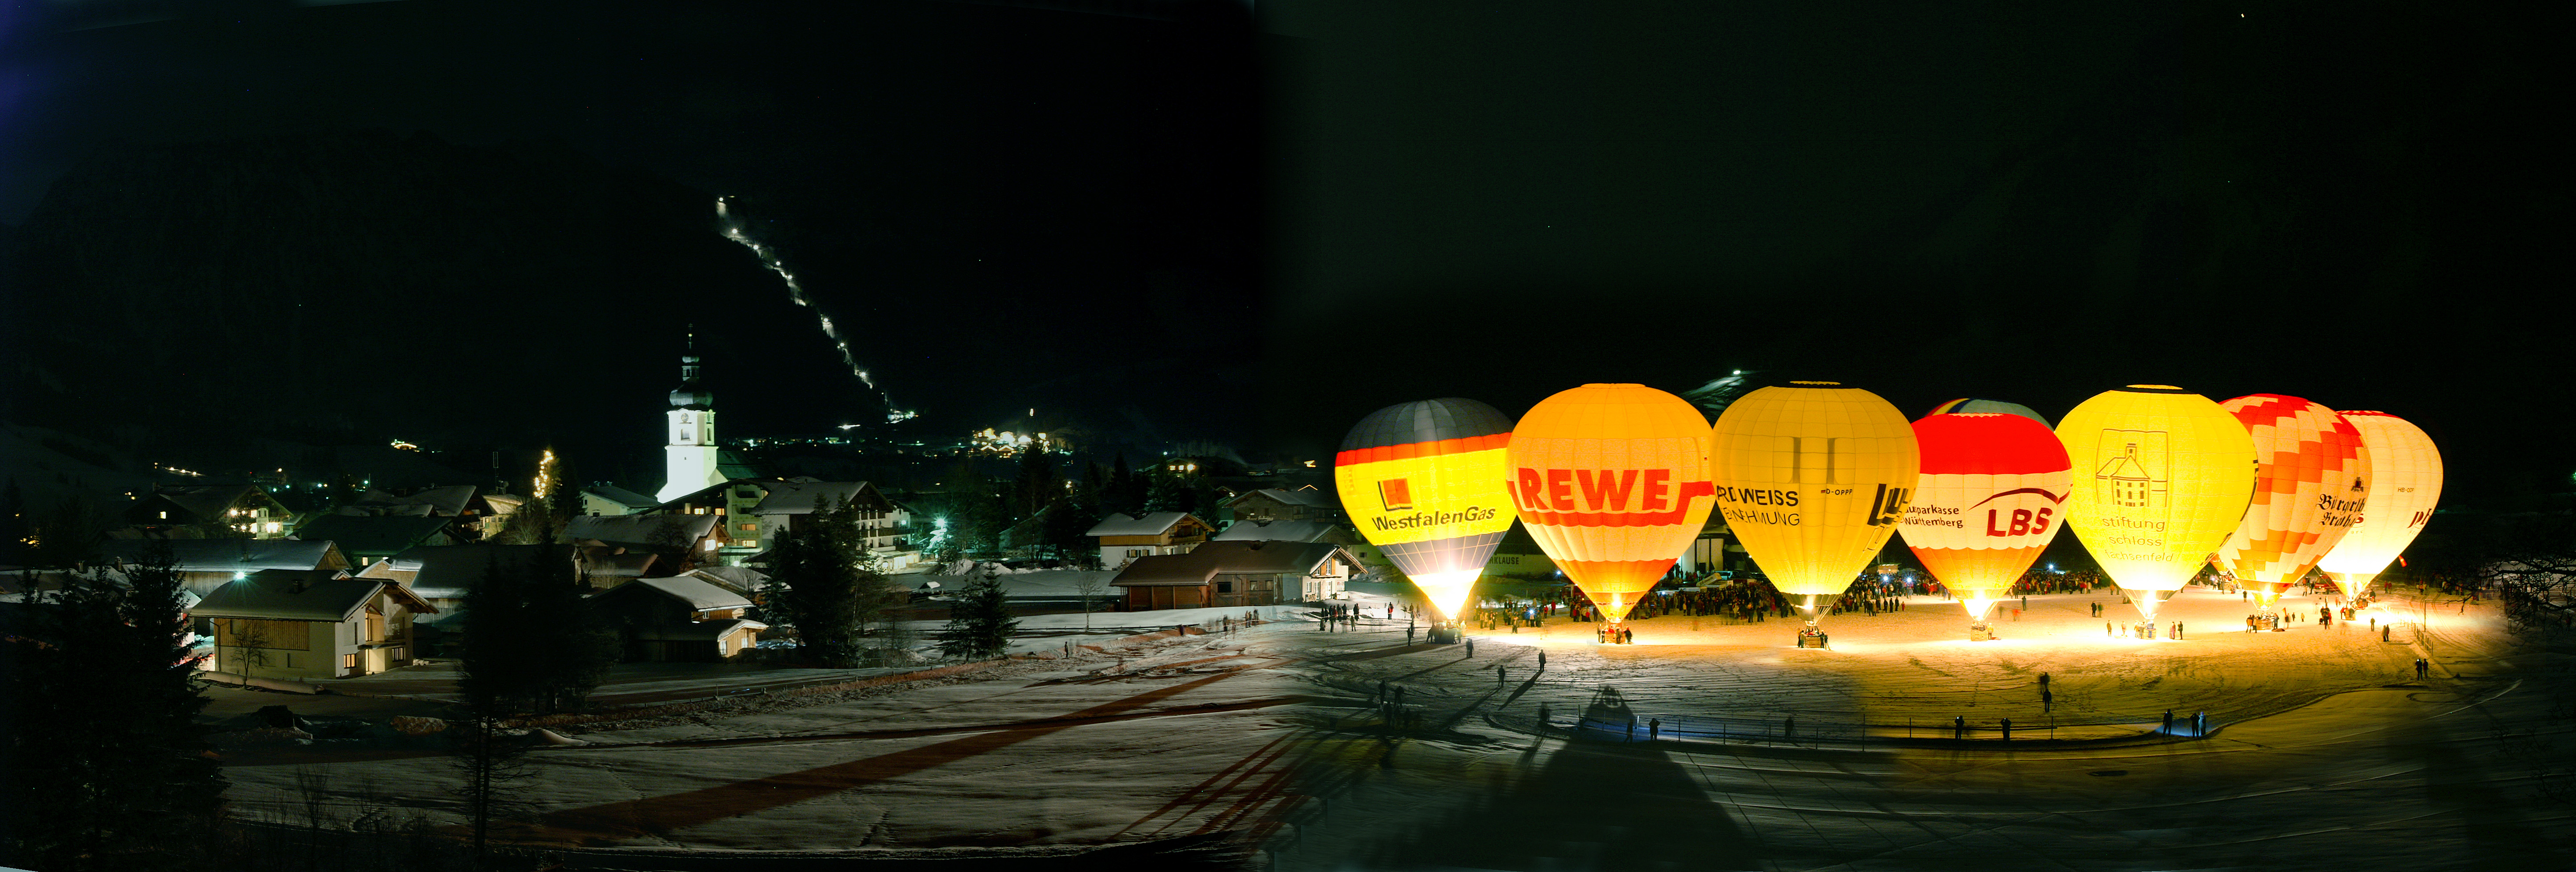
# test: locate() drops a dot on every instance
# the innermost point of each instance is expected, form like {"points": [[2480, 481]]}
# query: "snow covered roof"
{"points": [[621, 496], [1206, 562], [1301, 497], [208, 501], [678, 530], [1156, 524], [1036, 584], [228, 555], [632, 564], [697, 593], [451, 500], [301, 595], [695, 631], [379, 510], [448, 571], [1275, 531], [800, 497], [370, 536], [740, 579]]}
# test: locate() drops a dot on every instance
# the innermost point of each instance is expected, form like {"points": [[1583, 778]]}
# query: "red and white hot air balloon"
{"points": [[2311, 479], [1612, 480], [1991, 495]]}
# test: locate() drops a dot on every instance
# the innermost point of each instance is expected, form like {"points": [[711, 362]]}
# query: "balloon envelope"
{"points": [[1991, 495], [1972, 404], [2405, 484], [2167, 475], [1424, 482], [1813, 476], [1612, 480], [2309, 486]]}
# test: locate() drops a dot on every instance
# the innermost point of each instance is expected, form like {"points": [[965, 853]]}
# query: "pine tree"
{"points": [[825, 584], [979, 622], [1036, 485], [98, 786]]}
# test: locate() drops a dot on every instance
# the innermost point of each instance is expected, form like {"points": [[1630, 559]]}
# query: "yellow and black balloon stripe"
{"points": [[1423, 481]]}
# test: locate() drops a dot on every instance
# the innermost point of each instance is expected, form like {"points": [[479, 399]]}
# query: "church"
{"points": [[689, 461]]}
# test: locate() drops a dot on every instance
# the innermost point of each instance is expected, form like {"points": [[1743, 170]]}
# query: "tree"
{"points": [[127, 786], [67, 534], [1037, 484], [979, 622], [249, 641], [532, 641], [490, 764], [824, 583]]}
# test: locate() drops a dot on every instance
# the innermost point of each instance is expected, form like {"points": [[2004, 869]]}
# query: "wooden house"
{"points": [[1285, 504], [1237, 573], [302, 624], [682, 618], [195, 511], [1124, 539]]}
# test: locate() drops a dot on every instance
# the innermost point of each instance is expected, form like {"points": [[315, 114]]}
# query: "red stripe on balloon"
{"points": [[1409, 450]]}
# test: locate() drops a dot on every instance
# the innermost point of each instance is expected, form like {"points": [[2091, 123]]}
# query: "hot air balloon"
{"points": [[1813, 477], [1612, 480], [1991, 495], [1971, 404], [2309, 489], [2405, 483], [1424, 482], [2167, 477]]}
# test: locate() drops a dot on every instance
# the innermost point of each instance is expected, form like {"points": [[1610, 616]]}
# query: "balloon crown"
{"points": [[1817, 384], [2155, 389]]}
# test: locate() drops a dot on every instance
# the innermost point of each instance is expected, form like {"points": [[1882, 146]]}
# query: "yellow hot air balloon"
{"points": [[1992, 495], [1612, 480], [1812, 478], [2405, 484], [2308, 490], [1424, 482], [2162, 476]]}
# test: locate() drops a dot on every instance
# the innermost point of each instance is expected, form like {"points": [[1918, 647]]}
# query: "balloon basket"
{"points": [[1611, 634], [1444, 634], [1981, 632], [1811, 637]]}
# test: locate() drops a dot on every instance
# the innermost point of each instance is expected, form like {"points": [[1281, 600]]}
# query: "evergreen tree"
{"points": [[1165, 492], [495, 669], [1125, 494], [825, 584], [979, 621], [1037, 484], [532, 641], [94, 785]]}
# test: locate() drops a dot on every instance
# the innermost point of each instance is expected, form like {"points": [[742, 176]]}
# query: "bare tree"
{"points": [[249, 641]]}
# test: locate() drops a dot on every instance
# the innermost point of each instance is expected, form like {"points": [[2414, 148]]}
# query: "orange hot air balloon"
{"points": [[2163, 476], [1813, 477], [1612, 480], [2405, 484], [1424, 482], [1991, 495], [2310, 483]]}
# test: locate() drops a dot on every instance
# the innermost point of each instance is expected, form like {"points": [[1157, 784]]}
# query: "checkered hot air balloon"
{"points": [[1991, 495], [2311, 480], [1612, 480], [1424, 482], [2405, 484]]}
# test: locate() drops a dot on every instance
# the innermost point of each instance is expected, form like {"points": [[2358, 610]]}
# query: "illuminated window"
{"points": [[348, 661]]}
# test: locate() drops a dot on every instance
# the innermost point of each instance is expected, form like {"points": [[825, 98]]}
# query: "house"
{"points": [[1123, 539], [683, 540], [366, 539], [206, 564], [611, 500], [1287, 531], [193, 511], [682, 618], [1236, 574], [301, 623], [789, 503], [1284, 504], [738, 535], [443, 575]]}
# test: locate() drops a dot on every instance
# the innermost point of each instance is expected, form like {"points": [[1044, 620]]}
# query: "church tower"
{"points": [[691, 456]]}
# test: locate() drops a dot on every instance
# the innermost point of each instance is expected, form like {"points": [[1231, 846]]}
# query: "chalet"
{"points": [[193, 511], [1236, 574], [682, 540], [366, 539], [790, 502], [1123, 539], [1287, 531], [738, 536], [1282, 504], [206, 564], [683, 618], [290, 623]]}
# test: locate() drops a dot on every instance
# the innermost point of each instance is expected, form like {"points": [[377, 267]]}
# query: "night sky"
{"points": [[1187, 221]]}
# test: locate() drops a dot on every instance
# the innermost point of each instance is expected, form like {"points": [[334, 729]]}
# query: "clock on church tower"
{"points": [[691, 455]]}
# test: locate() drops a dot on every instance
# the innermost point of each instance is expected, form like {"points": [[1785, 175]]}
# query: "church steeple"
{"points": [[691, 456]]}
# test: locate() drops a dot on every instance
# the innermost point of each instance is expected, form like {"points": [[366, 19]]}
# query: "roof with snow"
{"points": [[301, 595], [228, 555], [448, 571], [1206, 562], [207, 501], [374, 536], [675, 531], [1156, 524], [451, 500], [621, 496], [741, 579], [697, 593], [1301, 497], [1275, 531], [801, 497]]}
